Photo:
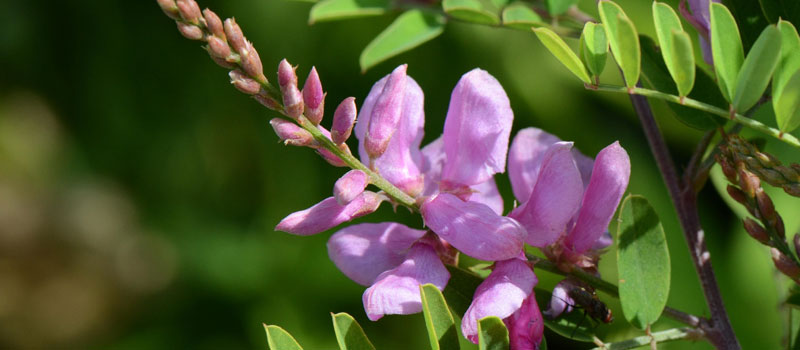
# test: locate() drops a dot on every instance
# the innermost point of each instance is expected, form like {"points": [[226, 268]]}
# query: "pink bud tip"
{"points": [[291, 134], [343, 120], [251, 63], [234, 34], [189, 11], [190, 31], [292, 97], [286, 74], [386, 113], [349, 186], [313, 97], [218, 47], [169, 8], [214, 24]]}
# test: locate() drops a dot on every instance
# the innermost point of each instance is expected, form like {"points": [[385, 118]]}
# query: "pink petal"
{"points": [[555, 198], [349, 186], [433, 161], [397, 291], [473, 228], [400, 163], [500, 294], [487, 193], [476, 130], [364, 251], [328, 214], [525, 160], [385, 113], [610, 175], [585, 165], [560, 301], [526, 326]]}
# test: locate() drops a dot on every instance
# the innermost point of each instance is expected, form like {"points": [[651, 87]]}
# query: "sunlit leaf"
{"points": [[349, 333], [557, 7], [279, 339], [492, 334], [642, 262], [563, 53], [475, 11], [623, 40], [683, 69], [439, 321], [787, 105], [594, 47], [788, 65], [520, 15], [409, 30], [726, 49], [330, 10], [757, 69]]}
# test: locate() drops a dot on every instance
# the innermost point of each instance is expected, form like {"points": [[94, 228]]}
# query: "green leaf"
{"points": [[521, 16], [349, 333], [788, 65], [642, 262], [623, 40], [787, 105], [475, 11], [594, 47], [757, 69], [666, 21], [557, 7], [726, 49], [774, 10], [331, 10], [409, 30], [460, 288], [492, 334], [279, 339], [683, 69], [793, 300], [438, 319], [563, 53]]}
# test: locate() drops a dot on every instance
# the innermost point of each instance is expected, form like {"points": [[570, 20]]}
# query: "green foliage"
{"points": [[438, 319], [409, 30], [279, 339], [676, 47], [563, 53], [520, 15], [492, 334], [460, 288], [774, 10], [642, 262], [475, 11], [726, 48], [757, 69], [331, 10], [594, 47], [623, 40], [557, 7], [349, 333], [786, 107]]}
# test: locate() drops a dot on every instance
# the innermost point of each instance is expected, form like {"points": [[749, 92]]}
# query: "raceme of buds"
{"points": [[756, 231], [214, 24], [313, 97], [292, 98], [190, 31], [234, 34], [189, 10], [244, 83], [785, 264], [343, 120], [291, 134], [349, 186]]}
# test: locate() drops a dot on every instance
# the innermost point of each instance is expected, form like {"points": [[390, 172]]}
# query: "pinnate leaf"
{"points": [[409, 30], [492, 334], [726, 49], [757, 69], [786, 111], [521, 16], [563, 53], [787, 105], [349, 333], [594, 47], [623, 40], [683, 70], [331, 10], [438, 319], [475, 11], [279, 339]]}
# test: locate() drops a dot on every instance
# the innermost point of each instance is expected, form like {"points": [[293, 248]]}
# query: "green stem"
{"points": [[686, 101], [660, 337]]}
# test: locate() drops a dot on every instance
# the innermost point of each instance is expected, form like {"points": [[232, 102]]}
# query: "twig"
{"points": [[658, 337]]}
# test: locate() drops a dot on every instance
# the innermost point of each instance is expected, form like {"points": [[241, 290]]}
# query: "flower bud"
{"points": [[291, 134], [222, 62], [329, 157], [785, 264], [727, 168], [170, 8], [244, 83], [292, 98], [218, 47], [349, 186], [386, 113], [189, 11], [214, 24], [313, 97], [267, 101], [793, 189], [343, 120], [756, 231], [748, 181], [251, 63], [736, 194], [765, 206], [234, 34], [190, 31]]}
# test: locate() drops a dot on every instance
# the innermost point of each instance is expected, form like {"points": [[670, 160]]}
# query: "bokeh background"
{"points": [[139, 191]]}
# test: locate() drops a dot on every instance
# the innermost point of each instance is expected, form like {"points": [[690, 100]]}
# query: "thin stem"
{"points": [[697, 157], [659, 337], [753, 124]]}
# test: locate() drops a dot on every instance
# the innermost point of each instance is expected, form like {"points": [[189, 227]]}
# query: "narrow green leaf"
{"points": [[726, 49], [460, 289], [557, 7], [521, 16], [788, 65], [623, 40], [563, 53], [787, 105], [683, 68], [279, 339], [331, 10], [349, 333], [757, 69], [594, 47], [438, 319], [492, 334], [643, 262], [409, 30], [666, 21], [475, 11]]}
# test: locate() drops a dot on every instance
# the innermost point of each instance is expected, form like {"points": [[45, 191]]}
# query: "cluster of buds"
{"points": [[745, 188], [765, 166]]}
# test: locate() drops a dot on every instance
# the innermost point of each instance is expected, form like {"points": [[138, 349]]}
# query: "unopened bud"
{"points": [[329, 157], [214, 24], [234, 34], [748, 182], [244, 83], [218, 47], [755, 230], [291, 134], [785, 264], [765, 206], [727, 168], [793, 189], [170, 8], [223, 63], [251, 63], [386, 113], [349, 186], [190, 31], [736, 194], [267, 101], [189, 11], [292, 98], [343, 120], [313, 97]]}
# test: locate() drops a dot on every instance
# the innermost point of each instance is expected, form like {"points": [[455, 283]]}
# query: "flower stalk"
{"points": [[657, 337]]}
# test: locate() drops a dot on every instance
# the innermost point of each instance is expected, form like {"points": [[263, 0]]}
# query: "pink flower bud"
{"points": [[218, 47], [267, 101], [291, 134], [190, 31], [292, 98], [343, 120], [784, 264], [349, 186], [169, 8], [386, 114], [244, 83], [222, 62], [234, 34], [329, 157], [251, 63], [214, 24], [286, 74], [189, 11], [313, 97]]}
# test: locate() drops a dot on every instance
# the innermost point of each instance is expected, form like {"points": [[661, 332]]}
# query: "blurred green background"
{"points": [[139, 191]]}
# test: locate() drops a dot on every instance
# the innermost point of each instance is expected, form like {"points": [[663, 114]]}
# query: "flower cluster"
{"points": [[566, 203]]}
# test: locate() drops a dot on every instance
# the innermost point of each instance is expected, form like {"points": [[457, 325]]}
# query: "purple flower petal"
{"points": [[610, 175], [555, 198], [476, 130], [397, 291], [560, 302], [349, 186], [525, 159], [526, 326], [603, 241], [487, 193], [433, 161], [500, 294], [364, 251], [473, 228], [386, 113], [328, 214], [585, 165]]}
